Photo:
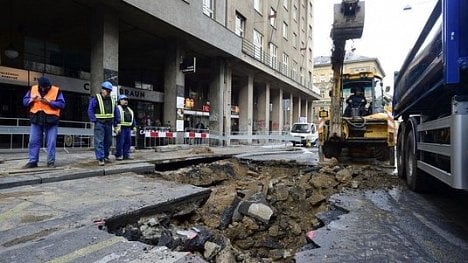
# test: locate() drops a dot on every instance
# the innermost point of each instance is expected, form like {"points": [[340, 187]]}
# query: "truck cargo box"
{"points": [[436, 68]]}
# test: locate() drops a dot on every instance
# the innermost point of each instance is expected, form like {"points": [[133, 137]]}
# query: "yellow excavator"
{"points": [[359, 124]]}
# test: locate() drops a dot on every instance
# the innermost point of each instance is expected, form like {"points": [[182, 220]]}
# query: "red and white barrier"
{"points": [[159, 134], [191, 135]]}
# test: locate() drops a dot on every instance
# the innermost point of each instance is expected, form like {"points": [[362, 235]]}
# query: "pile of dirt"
{"points": [[257, 211]]}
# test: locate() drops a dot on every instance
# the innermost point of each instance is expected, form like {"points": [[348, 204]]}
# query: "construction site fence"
{"points": [[14, 135]]}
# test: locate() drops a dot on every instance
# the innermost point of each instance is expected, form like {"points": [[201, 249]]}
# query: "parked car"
{"points": [[307, 132]]}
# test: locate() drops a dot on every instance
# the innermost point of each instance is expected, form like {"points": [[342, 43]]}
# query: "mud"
{"points": [[257, 211]]}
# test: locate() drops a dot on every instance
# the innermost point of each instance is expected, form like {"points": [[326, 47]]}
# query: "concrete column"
{"points": [[246, 108], [174, 84], [305, 108], [310, 111], [290, 113], [104, 48], [227, 101], [220, 119], [297, 109], [263, 105], [277, 111]]}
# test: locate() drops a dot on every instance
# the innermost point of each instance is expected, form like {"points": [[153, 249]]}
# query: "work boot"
{"points": [[120, 158], [30, 165], [107, 160], [101, 162], [51, 164]]}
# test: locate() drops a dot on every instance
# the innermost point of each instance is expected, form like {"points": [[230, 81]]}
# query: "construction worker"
{"points": [[124, 130], [103, 112], [45, 102], [356, 104]]}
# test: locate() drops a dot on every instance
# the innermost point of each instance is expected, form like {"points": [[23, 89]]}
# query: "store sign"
{"points": [[27, 78], [65, 83], [14, 76], [235, 110], [206, 108], [188, 64], [138, 94]]}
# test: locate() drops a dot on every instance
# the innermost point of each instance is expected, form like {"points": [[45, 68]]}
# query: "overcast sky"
{"points": [[389, 31]]}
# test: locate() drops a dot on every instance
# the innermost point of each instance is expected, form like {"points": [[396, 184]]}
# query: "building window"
{"points": [[322, 78], [285, 30], [258, 6], [273, 50], [311, 62], [302, 24], [285, 63], [294, 13], [272, 17], [302, 80], [310, 10], [208, 8], [294, 40], [258, 44], [240, 25], [294, 70], [285, 4]]}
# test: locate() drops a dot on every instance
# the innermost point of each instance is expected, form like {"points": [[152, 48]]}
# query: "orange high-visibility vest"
{"points": [[37, 105]]}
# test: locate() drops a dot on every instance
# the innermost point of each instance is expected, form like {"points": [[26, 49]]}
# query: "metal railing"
{"points": [[75, 134], [14, 134]]}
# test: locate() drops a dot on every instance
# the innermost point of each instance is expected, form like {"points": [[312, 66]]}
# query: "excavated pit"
{"points": [[252, 211]]}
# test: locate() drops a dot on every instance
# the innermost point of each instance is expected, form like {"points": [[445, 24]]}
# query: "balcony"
{"points": [[258, 54]]}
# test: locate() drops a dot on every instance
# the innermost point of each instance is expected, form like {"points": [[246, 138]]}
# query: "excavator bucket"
{"points": [[348, 20]]}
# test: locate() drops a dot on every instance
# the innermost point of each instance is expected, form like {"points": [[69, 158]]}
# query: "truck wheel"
{"points": [[400, 152], [414, 176]]}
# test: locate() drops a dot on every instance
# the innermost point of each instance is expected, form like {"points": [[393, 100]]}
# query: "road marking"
{"points": [[87, 250], [12, 212]]}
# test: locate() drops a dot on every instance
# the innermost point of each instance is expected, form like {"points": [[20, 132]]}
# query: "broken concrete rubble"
{"points": [[256, 211]]}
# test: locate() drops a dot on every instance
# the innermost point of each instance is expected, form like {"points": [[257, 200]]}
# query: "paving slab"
{"points": [[55, 221]]}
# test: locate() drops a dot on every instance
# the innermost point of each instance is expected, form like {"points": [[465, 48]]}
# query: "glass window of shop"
{"points": [[11, 105], [147, 113], [48, 57]]}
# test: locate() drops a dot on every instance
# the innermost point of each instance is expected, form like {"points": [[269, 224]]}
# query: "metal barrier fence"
{"points": [[14, 134], [151, 136]]}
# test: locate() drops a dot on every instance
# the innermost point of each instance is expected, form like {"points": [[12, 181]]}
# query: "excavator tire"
{"points": [[382, 153], [331, 149]]}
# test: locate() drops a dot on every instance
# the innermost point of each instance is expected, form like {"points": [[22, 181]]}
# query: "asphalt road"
{"points": [[394, 225], [54, 221]]}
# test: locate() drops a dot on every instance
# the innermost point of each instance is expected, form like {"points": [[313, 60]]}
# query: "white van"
{"points": [[307, 132]]}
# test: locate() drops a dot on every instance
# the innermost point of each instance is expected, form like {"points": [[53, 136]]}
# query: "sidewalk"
{"points": [[42, 207], [81, 163]]}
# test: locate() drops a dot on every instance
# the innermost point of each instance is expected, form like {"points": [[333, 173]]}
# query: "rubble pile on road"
{"points": [[257, 211]]}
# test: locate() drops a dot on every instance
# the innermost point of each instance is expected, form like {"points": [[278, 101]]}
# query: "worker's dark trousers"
{"points": [[123, 142], [35, 142], [102, 139]]}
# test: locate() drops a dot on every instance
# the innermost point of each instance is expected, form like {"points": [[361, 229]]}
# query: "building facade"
{"points": [[242, 65], [323, 76]]}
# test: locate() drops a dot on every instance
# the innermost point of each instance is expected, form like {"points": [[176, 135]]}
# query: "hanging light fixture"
{"points": [[10, 52]]}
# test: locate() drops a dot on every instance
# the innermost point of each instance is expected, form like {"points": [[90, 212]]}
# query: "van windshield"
{"points": [[300, 128]]}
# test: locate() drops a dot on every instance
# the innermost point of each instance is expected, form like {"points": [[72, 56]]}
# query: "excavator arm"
{"points": [[348, 23]]}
